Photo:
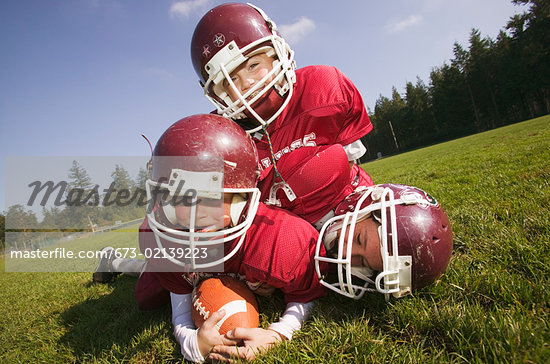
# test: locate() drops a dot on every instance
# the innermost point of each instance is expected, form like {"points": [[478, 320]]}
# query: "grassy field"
{"points": [[492, 305]]}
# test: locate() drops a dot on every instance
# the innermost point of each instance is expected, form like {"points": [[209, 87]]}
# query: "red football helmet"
{"points": [[226, 37], [197, 160], [415, 240]]}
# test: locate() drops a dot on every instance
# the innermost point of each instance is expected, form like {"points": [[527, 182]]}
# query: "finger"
{"points": [[221, 358], [230, 351], [230, 342], [214, 318], [217, 358], [240, 333]]}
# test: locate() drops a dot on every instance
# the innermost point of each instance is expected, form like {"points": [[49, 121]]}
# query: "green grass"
{"points": [[492, 305]]}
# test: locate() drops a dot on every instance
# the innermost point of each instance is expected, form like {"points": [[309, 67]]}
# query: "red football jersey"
{"points": [[320, 178], [268, 255], [326, 108]]}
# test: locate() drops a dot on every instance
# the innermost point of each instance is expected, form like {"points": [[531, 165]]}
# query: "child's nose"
{"points": [[247, 83]]}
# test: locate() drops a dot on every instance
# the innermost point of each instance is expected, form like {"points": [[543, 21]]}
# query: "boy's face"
{"points": [[365, 250], [210, 214], [248, 74]]}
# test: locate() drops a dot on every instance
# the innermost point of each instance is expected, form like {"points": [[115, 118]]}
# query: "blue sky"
{"points": [[88, 77]]}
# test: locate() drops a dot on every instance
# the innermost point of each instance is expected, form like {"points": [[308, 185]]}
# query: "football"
{"points": [[230, 294]]}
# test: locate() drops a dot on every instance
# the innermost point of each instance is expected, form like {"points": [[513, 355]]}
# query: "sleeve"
{"points": [[184, 330], [298, 270], [305, 287], [295, 315], [356, 122], [271, 257]]}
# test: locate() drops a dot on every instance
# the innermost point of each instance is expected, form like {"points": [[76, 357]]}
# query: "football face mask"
{"points": [[414, 234], [225, 38], [191, 220]]}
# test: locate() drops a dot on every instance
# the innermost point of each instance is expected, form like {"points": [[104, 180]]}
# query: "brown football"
{"points": [[238, 301]]}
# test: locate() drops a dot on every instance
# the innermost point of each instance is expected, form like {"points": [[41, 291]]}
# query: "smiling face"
{"points": [[248, 74]]}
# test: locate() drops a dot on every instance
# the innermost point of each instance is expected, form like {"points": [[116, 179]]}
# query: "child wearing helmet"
{"points": [[203, 198], [247, 70], [389, 238], [262, 236]]}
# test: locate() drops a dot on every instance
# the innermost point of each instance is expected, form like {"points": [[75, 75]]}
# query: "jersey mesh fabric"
{"points": [[319, 176], [325, 109]]}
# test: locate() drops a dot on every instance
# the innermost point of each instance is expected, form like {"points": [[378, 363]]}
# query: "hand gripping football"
{"points": [[230, 294]]}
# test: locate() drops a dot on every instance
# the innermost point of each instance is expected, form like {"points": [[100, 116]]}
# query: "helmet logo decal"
{"points": [[206, 50], [219, 40], [430, 199]]}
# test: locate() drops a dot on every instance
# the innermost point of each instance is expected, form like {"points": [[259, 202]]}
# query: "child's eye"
{"points": [[234, 79], [358, 239]]}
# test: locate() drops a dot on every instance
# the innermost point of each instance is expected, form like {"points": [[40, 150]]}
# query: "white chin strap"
{"points": [[365, 273], [170, 213]]}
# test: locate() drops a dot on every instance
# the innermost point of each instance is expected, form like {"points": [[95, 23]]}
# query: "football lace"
{"points": [[199, 307]]}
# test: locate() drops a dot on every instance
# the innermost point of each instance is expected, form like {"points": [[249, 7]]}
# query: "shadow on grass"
{"points": [[111, 328], [112, 325], [332, 307], [337, 308]]}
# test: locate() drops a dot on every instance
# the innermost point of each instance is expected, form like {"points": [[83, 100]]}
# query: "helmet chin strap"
{"points": [[365, 273], [170, 213], [278, 181]]}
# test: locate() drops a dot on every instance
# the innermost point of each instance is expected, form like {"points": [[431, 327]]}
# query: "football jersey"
{"points": [[320, 178], [269, 255], [326, 108]]}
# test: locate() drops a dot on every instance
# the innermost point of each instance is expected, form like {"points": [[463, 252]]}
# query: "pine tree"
{"points": [[82, 199], [78, 177]]}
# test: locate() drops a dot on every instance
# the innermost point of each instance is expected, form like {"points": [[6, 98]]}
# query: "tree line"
{"points": [[81, 210], [488, 84]]}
